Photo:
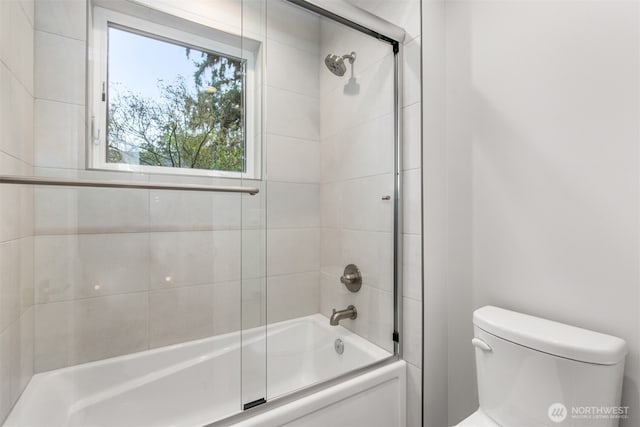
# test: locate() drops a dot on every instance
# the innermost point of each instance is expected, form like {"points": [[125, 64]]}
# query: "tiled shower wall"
{"points": [[406, 14], [119, 271], [293, 161], [16, 202], [357, 128]]}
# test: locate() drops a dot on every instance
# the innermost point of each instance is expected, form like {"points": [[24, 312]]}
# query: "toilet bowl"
{"points": [[534, 372]]}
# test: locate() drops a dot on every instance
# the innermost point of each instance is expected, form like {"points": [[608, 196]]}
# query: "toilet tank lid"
{"points": [[551, 337]]}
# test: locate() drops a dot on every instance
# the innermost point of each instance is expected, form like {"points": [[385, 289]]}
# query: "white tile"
{"points": [[21, 122], [6, 44], [27, 256], [367, 149], [292, 296], [90, 265], [290, 25], [292, 160], [254, 298], [363, 207], [10, 215], [73, 332], [90, 210], [5, 103], [180, 314], [340, 111], [22, 361], [411, 73], [16, 42], [218, 211], [293, 251], [13, 332], [17, 111], [331, 204], [411, 138], [64, 17], [52, 324], [254, 210], [228, 307], [375, 310], [364, 150], [9, 283], [23, 42], [372, 252], [414, 396], [5, 372], [98, 326], [194, 258], [412, 201], [412, 331], [28, 6], [292, 69], [59, 134], [331, 253], [403, 13], [291, 114], [368, 5], [254, 253], [379, 314], [375, 316], [27, 208], [292, 205], [412, 266], [338, 39], [60, 68], [183, 210], [331, 294]]}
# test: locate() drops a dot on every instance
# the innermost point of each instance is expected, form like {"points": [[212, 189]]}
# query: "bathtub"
{"points": [[199, 382]]}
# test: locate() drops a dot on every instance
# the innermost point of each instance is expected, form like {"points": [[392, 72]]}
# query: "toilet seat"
{"points": [[478, 419]]}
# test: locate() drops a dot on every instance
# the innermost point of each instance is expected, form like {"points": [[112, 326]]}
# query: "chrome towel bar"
{"points": [[63, 182]]}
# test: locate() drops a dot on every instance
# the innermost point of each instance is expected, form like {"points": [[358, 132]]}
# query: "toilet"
{"points": [[534, 372]]}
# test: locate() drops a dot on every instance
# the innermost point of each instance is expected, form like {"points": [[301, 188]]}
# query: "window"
{"points": [[169, 101]]}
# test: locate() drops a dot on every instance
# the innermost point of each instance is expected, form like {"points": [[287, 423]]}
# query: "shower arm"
{"points": [[350, 56]]}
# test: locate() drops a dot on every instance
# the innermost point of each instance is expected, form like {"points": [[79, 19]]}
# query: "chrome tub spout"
{"points": [[348, 313]]}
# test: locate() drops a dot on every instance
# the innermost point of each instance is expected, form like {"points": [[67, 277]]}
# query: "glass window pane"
{"points": [[172, 105]]}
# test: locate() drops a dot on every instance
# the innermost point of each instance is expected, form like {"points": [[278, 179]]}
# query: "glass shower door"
{"points": [[254, 238], [330, 140]]}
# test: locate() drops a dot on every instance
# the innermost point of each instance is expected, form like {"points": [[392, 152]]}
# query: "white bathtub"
{"points": [[198, 382]]}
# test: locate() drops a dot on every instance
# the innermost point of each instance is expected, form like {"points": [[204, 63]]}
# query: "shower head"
{"points": [[336, 64]]}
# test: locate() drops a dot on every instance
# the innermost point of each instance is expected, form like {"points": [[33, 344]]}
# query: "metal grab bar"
{"points": [[63, 182]]}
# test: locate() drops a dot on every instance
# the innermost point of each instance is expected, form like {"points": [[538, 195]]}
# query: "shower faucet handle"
{"points": [[352, 278]]}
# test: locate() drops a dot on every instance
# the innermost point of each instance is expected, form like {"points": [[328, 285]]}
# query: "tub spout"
{"points": [[348, 313]]}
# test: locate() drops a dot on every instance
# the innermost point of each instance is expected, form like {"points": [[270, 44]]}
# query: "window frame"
{"points": [[103, 19]]}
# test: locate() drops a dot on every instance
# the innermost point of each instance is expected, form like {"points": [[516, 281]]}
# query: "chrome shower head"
{"points": [[336, 64]]}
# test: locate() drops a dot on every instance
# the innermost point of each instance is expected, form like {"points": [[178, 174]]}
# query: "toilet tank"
{"points": [[534, 372]]}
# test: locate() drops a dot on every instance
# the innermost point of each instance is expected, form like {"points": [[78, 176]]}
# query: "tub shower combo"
{"points": [[260, 292]]}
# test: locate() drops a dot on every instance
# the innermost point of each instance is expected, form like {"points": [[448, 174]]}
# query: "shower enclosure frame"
{"points": [[395, 37], [375, 27]]}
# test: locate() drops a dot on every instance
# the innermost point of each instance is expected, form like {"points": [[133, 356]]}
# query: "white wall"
{"points": [[435, 215], [16, 202], [542, 144]]}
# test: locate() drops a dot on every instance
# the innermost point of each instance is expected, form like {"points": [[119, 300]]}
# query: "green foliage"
{"points": [[201, 129]]}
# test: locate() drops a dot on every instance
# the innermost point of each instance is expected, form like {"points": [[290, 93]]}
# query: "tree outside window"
{"points": [[193, 116]]}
